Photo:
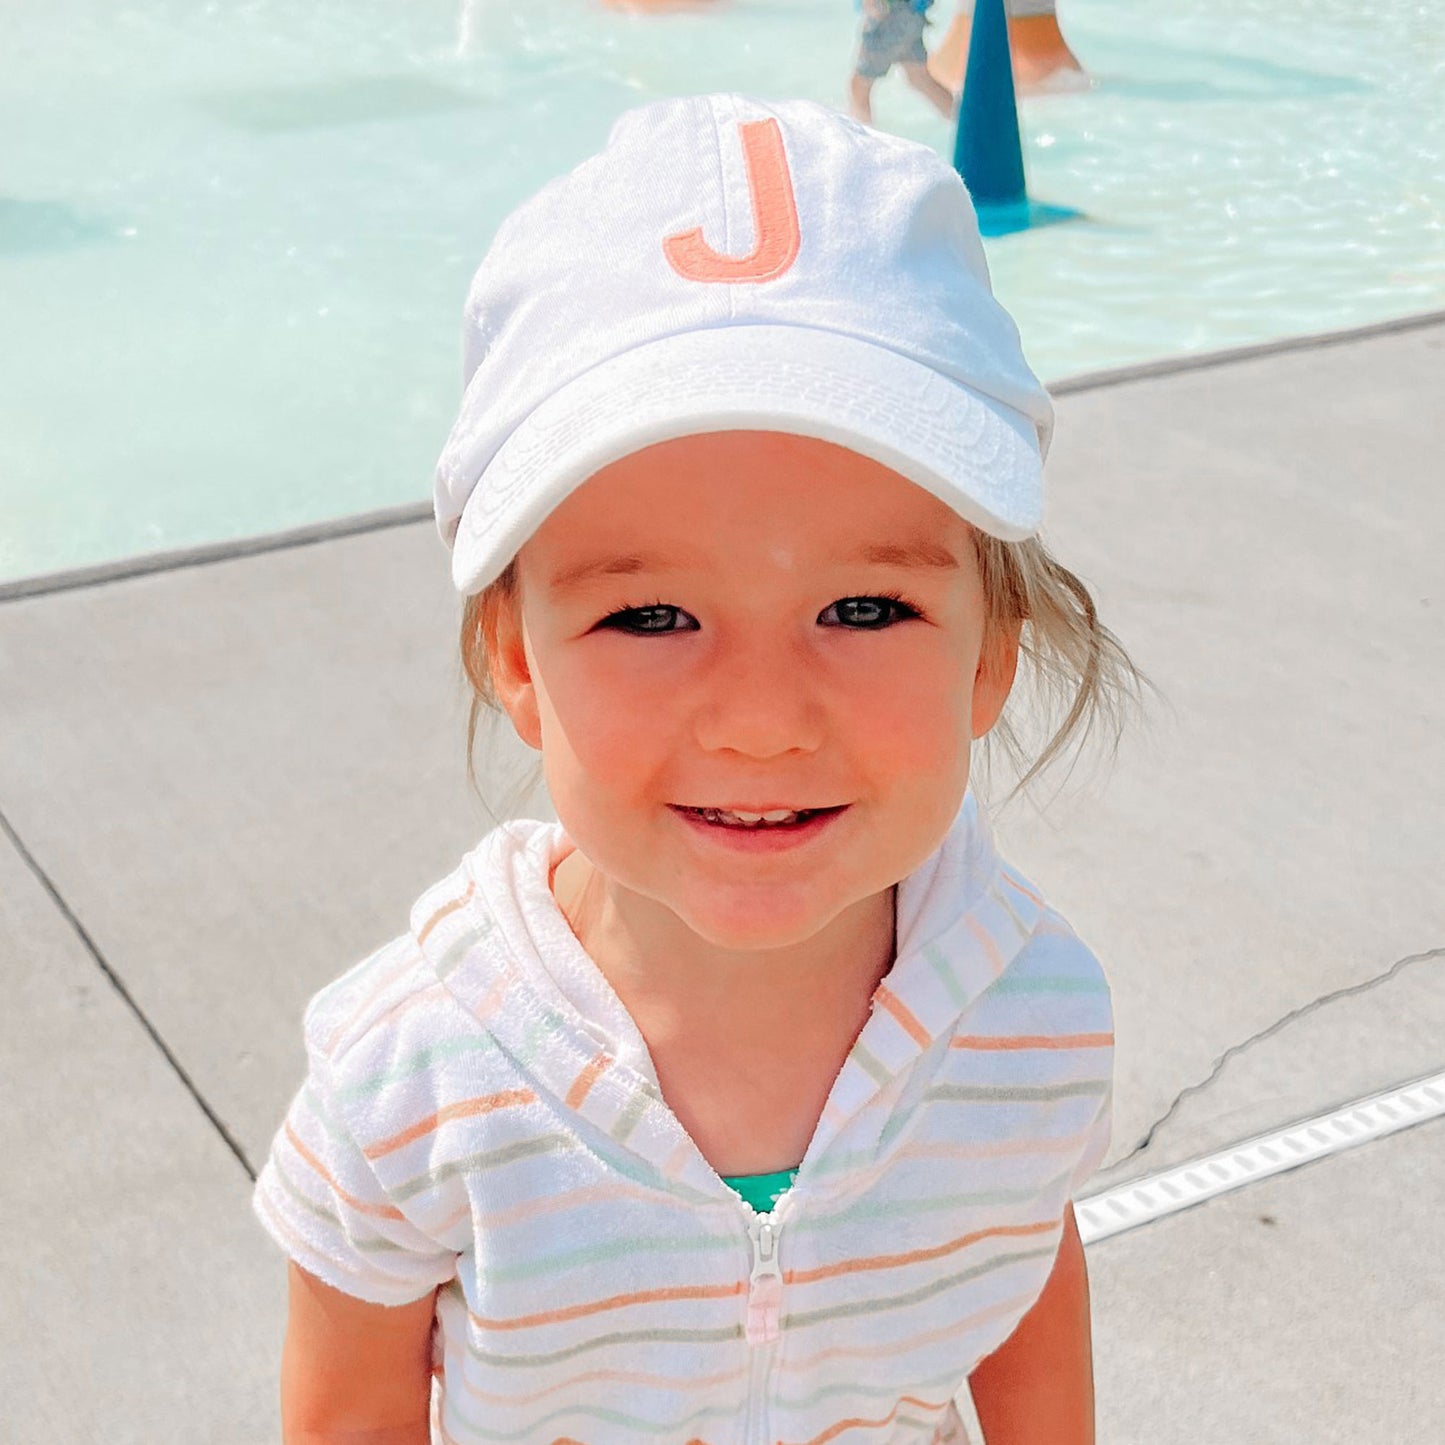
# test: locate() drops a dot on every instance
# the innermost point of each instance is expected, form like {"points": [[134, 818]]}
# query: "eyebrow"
{"points": [[919, 555]]}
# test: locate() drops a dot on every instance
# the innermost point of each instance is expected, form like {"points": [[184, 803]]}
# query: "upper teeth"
{"points": [[775, 815]]}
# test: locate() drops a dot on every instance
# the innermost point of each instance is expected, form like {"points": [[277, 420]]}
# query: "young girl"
{"points": [[746, 1102]]}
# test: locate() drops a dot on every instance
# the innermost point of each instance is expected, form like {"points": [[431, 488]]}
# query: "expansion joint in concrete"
{"points": [[1303, 1011], [118, 984]]}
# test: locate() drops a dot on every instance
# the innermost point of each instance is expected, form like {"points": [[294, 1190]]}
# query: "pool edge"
{"points": [[204, 554]]}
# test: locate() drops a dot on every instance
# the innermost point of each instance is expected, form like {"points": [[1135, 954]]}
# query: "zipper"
{"points": [[765, 1296], [765, 1283]]}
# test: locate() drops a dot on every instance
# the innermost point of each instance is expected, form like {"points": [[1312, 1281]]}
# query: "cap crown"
{"points": [[725, 211]]}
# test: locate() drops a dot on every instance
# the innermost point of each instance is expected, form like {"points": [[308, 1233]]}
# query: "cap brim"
{"points": [[976, 455]]}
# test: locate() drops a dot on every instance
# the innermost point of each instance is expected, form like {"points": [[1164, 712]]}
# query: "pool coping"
{"points": [[355, 524]]}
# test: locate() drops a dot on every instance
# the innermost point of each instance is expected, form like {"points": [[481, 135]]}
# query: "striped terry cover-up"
{"points": [[481, 1118]]}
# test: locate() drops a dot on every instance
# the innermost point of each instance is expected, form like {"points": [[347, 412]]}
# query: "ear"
{"points": [[511, 670], [998, 665]]}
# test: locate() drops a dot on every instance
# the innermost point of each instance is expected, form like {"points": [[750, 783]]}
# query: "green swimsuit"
{"points": [[762, 1191]]}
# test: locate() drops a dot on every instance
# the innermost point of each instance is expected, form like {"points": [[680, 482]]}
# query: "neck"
{"points": [[645, 951]]}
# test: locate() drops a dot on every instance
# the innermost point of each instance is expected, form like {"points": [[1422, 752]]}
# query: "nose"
{"points": [[762, 698]]}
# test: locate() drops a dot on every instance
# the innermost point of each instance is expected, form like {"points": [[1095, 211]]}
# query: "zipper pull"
{"points": [[765, 1283]]}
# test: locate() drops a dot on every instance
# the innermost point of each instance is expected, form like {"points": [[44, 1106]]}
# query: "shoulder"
{"points": [[392, 1002], [1054, 984], [354, 1006], [1055, 950], [388, 1045], [373, 1039], [416, 1021]]}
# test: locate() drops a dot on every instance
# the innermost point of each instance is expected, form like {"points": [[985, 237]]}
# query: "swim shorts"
{"points": [[895, 38]]}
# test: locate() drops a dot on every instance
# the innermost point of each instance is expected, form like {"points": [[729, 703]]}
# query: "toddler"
{"points": [[892, 34], [746, 1102]]}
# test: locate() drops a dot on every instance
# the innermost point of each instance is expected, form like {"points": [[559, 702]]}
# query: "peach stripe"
{"points": [[582, 1084], [530, 1209], [915, 1256], [853, 1422], [301, 1247], [986, 940], [383, 1211], [624, 1377], [299, 1244], [1032, 1041], [1019, 887], [900, 1011], [491, 1001], [612, 1302], [408, 963], [446, 910], [681, 1154], [993, 1149], [411, 1001], [603, 1194], [951, 1331], [462, 1109], [442, 1229]]}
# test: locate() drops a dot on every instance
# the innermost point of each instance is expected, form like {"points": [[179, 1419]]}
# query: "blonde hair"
{"points": [[1075, 668]]}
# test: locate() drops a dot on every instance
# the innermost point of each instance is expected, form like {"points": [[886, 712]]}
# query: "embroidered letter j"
{"points": [[775, 218]]}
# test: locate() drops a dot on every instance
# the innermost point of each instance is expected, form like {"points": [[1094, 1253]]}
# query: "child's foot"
{"points": [[1054, 82]]}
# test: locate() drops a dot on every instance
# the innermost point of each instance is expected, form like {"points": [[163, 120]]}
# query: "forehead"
{"points": [[780, 502]]}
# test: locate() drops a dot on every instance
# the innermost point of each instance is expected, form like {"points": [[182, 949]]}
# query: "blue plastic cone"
{"points": [[987, 150]]}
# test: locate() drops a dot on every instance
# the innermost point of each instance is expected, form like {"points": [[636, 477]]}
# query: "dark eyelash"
{"points": [[639, 607], [897, 598]]}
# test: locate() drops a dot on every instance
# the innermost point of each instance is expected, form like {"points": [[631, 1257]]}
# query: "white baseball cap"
{"points": [[736, 264]]}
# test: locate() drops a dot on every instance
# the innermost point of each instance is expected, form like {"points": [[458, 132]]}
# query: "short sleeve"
{"points": [[320, 1199]]}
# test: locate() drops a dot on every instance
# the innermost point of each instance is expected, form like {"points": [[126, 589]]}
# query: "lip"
{"points": [[779, 839], [758, 807]]}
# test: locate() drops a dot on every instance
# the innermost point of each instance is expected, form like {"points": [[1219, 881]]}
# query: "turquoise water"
{"points": [[234, 238]]}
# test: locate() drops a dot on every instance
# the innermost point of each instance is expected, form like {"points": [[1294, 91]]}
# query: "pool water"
{"points": [[235, 237]]}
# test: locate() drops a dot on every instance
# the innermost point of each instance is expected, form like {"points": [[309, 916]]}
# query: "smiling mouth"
{"points": [[773, 818]]}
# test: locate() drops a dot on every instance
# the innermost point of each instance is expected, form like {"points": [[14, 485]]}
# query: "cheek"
{"points": [[901, 711], [604, 719], [914, 713]]}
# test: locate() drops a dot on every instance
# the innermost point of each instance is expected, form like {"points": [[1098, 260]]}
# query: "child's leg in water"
{"points": [[893, 35], [940, 96], [860, 97]]}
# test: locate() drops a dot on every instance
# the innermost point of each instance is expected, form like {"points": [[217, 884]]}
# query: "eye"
{"points": [[858, 614], [868, 614], [656, 618]]}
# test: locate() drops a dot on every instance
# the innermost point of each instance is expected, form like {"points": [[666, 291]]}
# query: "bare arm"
{"points": [[1037, 1388], [354, 1373]]}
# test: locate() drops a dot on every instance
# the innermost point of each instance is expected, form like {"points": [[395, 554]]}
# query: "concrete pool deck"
{"points": [[222, 783]]}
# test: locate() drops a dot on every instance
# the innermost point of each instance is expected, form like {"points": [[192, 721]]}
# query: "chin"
{"points": [[753, 928]]}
